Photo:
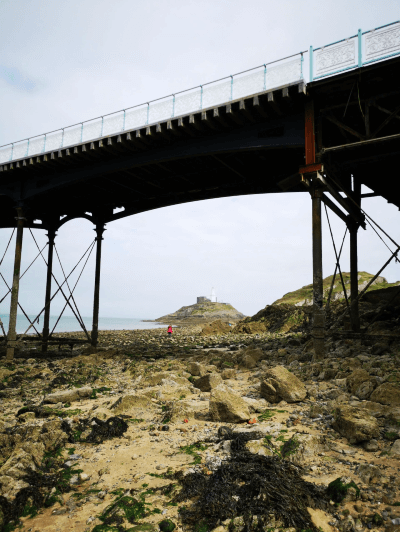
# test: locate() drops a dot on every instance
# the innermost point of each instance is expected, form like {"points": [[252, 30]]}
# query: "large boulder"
{"points": [[70, 395], [355, 424], [134, 405], [387, 394], [197, 369], [356, 378], [287, 386], [208, 382], [227, 406]]}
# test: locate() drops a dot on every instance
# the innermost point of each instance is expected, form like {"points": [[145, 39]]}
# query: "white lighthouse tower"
{"points": [[213, 298]]}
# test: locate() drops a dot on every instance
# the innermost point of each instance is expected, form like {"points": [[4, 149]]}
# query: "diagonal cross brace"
{"points": [[62, 292]]}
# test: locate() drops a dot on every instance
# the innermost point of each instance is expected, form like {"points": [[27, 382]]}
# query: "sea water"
{"points": [[70, 323]]}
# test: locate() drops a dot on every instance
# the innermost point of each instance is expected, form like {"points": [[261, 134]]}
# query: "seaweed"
{"points": [[261, 491], [192, 449], [126, 508], [100, 430], [337, 490]]}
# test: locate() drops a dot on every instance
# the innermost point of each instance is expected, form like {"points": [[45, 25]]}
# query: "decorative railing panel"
{"points": [[381, 43], [336, 58]]}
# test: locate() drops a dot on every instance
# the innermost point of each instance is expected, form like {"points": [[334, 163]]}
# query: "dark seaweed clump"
{"points": [[100, 430], [267, 492]]}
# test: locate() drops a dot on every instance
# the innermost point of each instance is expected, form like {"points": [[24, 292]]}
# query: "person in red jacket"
{"points": [[169, 331]]}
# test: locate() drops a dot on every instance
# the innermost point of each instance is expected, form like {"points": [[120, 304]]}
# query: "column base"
{"points": [[319, 348]]}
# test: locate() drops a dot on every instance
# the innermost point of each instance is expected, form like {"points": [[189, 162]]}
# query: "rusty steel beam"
{"points": [[309, 132]]}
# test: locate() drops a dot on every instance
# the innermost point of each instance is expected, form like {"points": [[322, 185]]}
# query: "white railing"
{"points": [[263, 78]]}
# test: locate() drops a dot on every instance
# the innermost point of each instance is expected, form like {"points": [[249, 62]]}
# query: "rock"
{"points": [[228, 373], [255, 353], [179, 410], [355, 424], [227, 406], [268, 392], [158, 378], [387, 394], [365, 390], [379, 348], [26, 417], [208, 382], [136, 405], [257, 447], [23, 451], [288, 387], [305, 449], [371, 446], [196, 369], [368, 473], [70, 395], [356, 378], [257, 406], [248, 362], [396, 447], [83, 477]]}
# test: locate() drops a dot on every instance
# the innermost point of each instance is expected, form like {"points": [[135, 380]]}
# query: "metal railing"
{"points": [[265, 77], [375, 45]]}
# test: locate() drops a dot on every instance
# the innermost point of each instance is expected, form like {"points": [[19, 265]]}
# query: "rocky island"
{"points": [[203, 311]]}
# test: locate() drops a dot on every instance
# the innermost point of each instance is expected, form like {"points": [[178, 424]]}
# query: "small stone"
{"points": [[83, 476]]}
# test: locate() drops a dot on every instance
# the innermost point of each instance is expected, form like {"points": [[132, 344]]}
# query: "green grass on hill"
{"points": [[305, 293]]}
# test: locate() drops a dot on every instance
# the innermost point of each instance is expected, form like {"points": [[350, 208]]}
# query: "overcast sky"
{"points": [[65, 62]]}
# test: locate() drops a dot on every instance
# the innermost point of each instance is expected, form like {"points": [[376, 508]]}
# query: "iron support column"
{"points": [[353, 230], [51, 235], [318, 330], [12, 335], [96, 300], [354, 309]]}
